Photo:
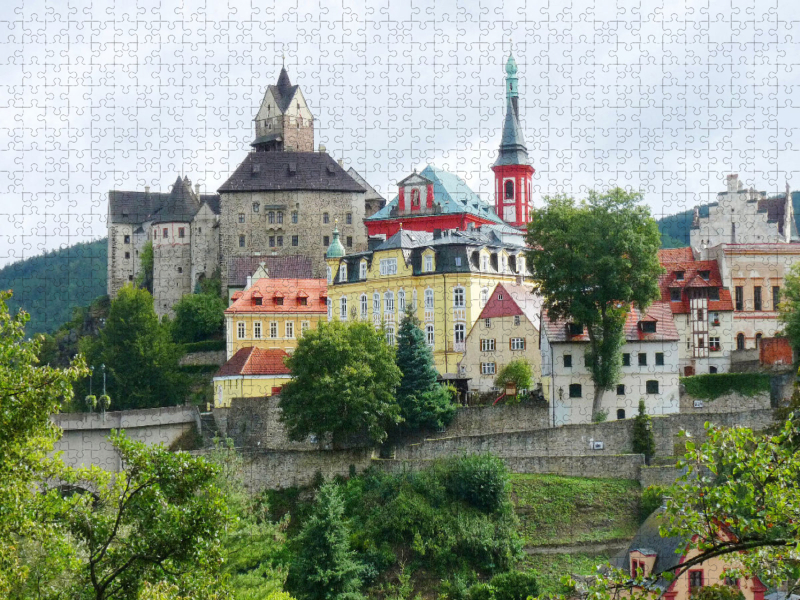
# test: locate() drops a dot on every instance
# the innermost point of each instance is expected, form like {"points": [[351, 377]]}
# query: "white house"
{"points": [[649, 368]]}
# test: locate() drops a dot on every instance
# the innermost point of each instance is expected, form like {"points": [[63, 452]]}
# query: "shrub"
{"points": [[480, 480], [644, 441], [204, 346], [652, 498], [717, 592], [518, 372], [600, 416], [714, 385], [481, 591], [515, 585]]}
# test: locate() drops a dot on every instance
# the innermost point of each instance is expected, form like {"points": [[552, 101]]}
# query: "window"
{"points": [[364, 306], [458, 298], [130, 277], [521, 264], [642, 359], [127, 239], [620, 414], [401, 301], [758, 340], [279, 216], [457, 261], [348, 218], [484, 263], [272, 241], [487, 345], [258, 301], [343, 272], [626, 360], [349, 241], [701, 342], [648, 326], [241, 217], [714, 317], [127, 255], [294, 216], [304, 325], [388, 266], [712, 369], [429, 335], [620, 389], [575, 390], [484, 296], [428, 263], [509, 189], [257, 330], [241, 241], [675, 295], [273, 329], [679, 275], [651, 386], [695, 578], [362, 270], [164, 233], [713, 293], [740, 341], [568, 361], [255, 207], [776, 296], [329, 305], [271, 217], [460, 333], [713, 344], [517, 343], [731, 581], [330, 275], [517, 320], [326, 218], [739, 295], [240, 331], [487, 368], [699, 314], [659, 359], [181, 232], [757, 297], [303, 301], [376, 303], [390, 336], [388, 302], [343, 308], [290, 329], [295, 240], [704, 275], [487, 323], [326, 241], [575, 329], [429, 299]]}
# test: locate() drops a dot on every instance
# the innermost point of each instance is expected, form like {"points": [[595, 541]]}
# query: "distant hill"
{"points": [[50, 285]]}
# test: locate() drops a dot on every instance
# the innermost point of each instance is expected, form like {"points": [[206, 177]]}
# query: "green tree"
{"points": [[198, 317], [29, 394], [518, 372], [325, 568], [141, 359], [591, 261], [343, 382], [717, 592], [789, 308], [145, 277], [423, 401], [644, 440]]}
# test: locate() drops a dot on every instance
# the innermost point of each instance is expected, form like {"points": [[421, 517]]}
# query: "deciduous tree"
{"points": [[198, 317]]}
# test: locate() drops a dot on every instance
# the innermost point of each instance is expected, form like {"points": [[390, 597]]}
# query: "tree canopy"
{"points": [[789, 308], [198, 317], [344, 378], [591, 261]]}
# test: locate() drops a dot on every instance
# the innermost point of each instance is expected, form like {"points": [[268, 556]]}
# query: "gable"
{"points": [[500, 304]]}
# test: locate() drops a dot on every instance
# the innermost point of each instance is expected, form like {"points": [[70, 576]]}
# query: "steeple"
{"points": [[284, 121], [512, 144], [335, 250]]}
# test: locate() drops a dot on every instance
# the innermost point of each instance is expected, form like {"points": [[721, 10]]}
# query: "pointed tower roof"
{"points": [[512, 144], [335, 250]]}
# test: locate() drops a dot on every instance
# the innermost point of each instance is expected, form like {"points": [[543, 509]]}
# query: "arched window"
{"points": [[484, 296], [343, 272], [620, 413], [459, 333], [415, 198], [740, 341], [429, 299], [388, 302], [509, 185], [758, 340], [401, 301], [376, 303], [364, 306], [390, 336], [429, 335], [459, 298]]}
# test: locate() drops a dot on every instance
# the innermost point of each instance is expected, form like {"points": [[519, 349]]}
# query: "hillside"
{"points": [[50, 285]]}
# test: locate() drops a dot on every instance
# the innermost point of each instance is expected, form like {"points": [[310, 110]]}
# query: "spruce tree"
{"points": [[644, 441], [325, 568], [423, 402]]}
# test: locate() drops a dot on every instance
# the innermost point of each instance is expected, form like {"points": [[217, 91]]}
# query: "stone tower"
{"points": [[512, 172], [284, 121]]}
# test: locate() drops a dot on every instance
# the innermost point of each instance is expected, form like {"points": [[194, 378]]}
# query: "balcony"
{"points": [[459, 314]]}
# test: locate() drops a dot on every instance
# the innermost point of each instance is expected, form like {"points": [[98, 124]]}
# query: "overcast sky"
{"points": [[668, 99]]}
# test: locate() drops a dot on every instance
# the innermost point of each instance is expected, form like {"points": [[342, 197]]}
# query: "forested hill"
{"points": [[50, 285]]}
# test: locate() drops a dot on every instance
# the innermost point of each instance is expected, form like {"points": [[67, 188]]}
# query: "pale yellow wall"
{"points": [[713, 574], [281, 342], [227, 388], [501, 330]]}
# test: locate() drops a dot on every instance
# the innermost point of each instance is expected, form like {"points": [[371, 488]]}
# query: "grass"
{"points": [[555, 510], [552, 567]]}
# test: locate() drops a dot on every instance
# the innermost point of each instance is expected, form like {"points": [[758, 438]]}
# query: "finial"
{"points": [[401, 226]]}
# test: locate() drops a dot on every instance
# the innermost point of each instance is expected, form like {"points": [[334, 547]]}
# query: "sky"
{"points": [[665, 98]]}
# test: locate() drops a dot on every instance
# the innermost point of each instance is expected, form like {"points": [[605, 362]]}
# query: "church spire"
{"points": [[512, 144]]}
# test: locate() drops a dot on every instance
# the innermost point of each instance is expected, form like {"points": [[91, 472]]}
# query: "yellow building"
{"points": [[250, 373], [273, 313], [446, 277]]}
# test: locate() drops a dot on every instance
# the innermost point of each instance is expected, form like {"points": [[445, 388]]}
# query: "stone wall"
{"points": [[729, 403], [663, 475], [213, 357], [255, 423], [270, 469], [474, 420]]}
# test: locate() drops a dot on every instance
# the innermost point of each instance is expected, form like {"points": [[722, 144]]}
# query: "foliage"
{"points": [[644, 440], [518, 372], [591, 262], [652, 499], [789, 308], [211, 285], [343, 381], [677, 227], [144, 279], [325, 567], [423, 402], [29, 394], [141, 360], [717, 592], [713, 385], [601, 416], [204, 346], [51, 285], [515, 585], [480, 480], [198, 317], [481, 591]]}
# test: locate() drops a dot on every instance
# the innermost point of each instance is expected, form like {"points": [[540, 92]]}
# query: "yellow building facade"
{"points": [[250, 373]]}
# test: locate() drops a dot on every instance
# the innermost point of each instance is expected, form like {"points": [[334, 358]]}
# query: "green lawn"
{"points": [[552, 567], [556, 510]]}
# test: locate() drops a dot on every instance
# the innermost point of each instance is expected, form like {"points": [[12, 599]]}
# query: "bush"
{"points": [[714, 385], [717, 592], [601, 416], [652, 498], [644, 440], [481, 591], [204, 346], [480, 480], [518, 372], [515, 585]]}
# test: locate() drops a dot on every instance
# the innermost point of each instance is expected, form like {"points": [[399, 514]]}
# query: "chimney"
{"points": [[341, 163], [197, 189], [322, 148], [249, 282], [147, 189]]}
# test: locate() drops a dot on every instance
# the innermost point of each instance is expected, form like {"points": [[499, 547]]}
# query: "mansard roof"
{"points": [[314, 290], [180, 204], [290, 171]]}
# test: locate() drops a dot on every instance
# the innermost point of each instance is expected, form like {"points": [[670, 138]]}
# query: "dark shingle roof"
{"points": [[284, 91], [279, 267], [277, 171], [179, 204], [512, 144]]}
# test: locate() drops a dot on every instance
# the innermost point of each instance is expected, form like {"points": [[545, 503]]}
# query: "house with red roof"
{"points": [[250, 373], [507, 329], [649, 367]]}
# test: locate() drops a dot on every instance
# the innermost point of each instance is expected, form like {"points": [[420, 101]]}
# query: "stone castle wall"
{"points": [[172, 266], [729, 403]]}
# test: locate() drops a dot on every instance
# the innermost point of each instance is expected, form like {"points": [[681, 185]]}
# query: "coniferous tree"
{"points": [[423, 402], [644, 441], [325, 568]]}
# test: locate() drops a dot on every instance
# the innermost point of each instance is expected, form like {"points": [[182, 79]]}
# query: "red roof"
{"points": [[255, 361], [313, 290], [516, 300], [681, 261], [669, 255], [658, 311]]}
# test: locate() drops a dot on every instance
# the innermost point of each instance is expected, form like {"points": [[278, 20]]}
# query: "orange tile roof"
{"points": [[669, 255], [691, 269], [658, 311], [313, 290], [255, 361]]}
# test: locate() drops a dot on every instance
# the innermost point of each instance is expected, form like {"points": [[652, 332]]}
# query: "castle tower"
{"points": [[284, 121], [512, 172]]}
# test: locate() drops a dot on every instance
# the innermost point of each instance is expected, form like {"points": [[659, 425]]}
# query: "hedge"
{"points": [[204, 346], [199, 368], [714, 385]]}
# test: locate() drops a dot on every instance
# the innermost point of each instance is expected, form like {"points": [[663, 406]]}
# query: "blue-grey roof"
{"points": [[512, 144], [450, 193]]}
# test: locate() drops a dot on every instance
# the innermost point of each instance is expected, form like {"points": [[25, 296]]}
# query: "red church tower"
{"points": [[512, 173]]}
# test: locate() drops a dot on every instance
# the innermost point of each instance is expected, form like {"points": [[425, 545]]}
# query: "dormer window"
{"points": [[363, 270], [647, 326], [302, 301], [574, 329], [257, 301], [278, 301], [679, 275], [704, 275], [713, 294], [675, 295], [343, 272]]}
